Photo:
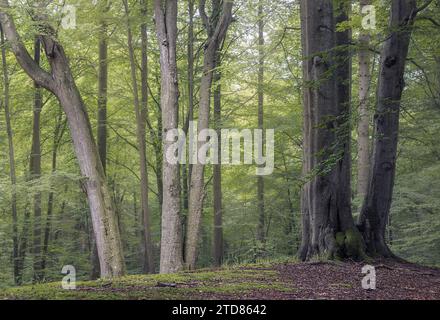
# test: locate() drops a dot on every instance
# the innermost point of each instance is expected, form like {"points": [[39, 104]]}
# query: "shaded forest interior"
{"points": [[91, 91]]}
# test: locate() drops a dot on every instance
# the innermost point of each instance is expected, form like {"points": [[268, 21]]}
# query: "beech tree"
{"points": [[216, 26], [328, 227], [363, 129], [376, 208], [165, 14], [60, 82]]}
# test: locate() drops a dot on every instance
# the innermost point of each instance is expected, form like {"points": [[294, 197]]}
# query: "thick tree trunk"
{"points": [[376, 207], [171, 242], [12, 173], [261, 234], [216, 27], [35, 172], [60, 82], [328, 227], [363, 164]]}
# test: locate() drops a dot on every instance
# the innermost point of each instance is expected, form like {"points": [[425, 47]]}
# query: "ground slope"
{"points": [[318, 280]]}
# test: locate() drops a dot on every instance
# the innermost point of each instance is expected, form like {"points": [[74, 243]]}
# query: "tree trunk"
{"points": [[364, 113], [57, 136], [216, 27], [35, 172], [102, 115], [148, 264], [171, 242], [186, 169], [140, 112], [328, 226], [261, 235], [376, 208], [217, 175], [12, 174], [60, 82]]}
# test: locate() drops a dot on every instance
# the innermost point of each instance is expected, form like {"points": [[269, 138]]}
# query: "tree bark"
{"points": [[376, 208], [328, 227], [61, 83], [102, 114], [171, 242], [217, 175], [363, 129], [216, 27], [102, 89], [186, 169], [35, 172]]}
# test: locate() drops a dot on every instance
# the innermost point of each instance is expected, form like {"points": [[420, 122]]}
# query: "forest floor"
{"points": [[288, 280]]}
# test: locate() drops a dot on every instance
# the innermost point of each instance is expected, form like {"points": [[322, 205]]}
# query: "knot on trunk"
{"points": [[390, 61]]}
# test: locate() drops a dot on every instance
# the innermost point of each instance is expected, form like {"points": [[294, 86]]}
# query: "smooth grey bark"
{"points": [[363, 129], [216, 27], [61, 83], [261, 234], [35, 172], [171, 242], [102, 88], [186, 169], [148, 265], [102, 113], [376, 207], [327, 224]]}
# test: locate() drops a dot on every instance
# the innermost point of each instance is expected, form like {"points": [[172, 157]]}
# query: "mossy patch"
{"points": [[188, 285]]}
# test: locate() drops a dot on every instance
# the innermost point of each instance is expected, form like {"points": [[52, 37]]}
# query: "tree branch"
{"points": [[40, 76]]}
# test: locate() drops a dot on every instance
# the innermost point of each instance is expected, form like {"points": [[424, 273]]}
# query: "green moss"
{"points": [[354, 244], [340, 239], [233, 280]]}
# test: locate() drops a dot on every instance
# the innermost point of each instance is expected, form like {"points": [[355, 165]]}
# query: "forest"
{"points": [[165, 142]]}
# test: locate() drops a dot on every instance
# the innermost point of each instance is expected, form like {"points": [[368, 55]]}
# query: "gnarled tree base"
{"points": [[341, 245]]}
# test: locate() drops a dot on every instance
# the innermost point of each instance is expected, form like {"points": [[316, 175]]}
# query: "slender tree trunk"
{"points": [[261, 236], [143, 115], [217, 175], [376, 208], [186, 176], [57, 134], [140, 112], [35, 172], [216, 27], [364, 113], [328, 226], [102, 114], [12, 174], [171, 242], [102, 90], [60, 82]]}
